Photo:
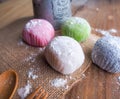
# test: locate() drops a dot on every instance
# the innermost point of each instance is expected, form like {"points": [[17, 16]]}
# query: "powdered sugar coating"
{"points": [[106, 53], [77, 28], [64, 54], [38, 32], [80, 20], [32, 24]]}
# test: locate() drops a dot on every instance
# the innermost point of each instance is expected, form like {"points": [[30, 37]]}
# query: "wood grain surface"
{"points": [[101, 14], [98, 84]]}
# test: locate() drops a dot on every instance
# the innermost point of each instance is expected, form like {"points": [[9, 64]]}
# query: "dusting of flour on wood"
{"points": [[24, 91], [59, 82], [31, 74], [106, 32]]}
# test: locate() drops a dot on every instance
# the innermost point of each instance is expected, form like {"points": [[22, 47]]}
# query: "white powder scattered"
{"points": [[59, 82], [83, 75], [72, 78], [28, 58], [103, 32], [31, 74], [41, 49], [31, 58], [112, 31], [24, 91], [106, 32], [20, 42], [119, 79], [69, 77], [66, 87], [80, 20], [56, 45], [32, 23], [78, 97], [97, 9]]}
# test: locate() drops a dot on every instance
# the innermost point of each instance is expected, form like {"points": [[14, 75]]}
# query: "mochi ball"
{"points": [[106, 53], [64, 54], [76, 27], [38, 32]]}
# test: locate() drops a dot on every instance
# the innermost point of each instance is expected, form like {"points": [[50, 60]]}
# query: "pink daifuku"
{"points": [[38, 32]]}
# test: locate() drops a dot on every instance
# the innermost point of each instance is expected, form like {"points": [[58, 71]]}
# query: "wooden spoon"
{"points": [[8, 84]]}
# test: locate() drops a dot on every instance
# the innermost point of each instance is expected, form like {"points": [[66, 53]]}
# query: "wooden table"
{"points": [[101, 14]]}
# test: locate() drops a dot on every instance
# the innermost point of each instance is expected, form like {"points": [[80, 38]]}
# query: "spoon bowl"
{"points": [[8, 84]]}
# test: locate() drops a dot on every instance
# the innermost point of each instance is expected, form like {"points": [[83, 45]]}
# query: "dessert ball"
{"points": [[38, 32], [106, 53], [76, 27], [64, 54]]}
